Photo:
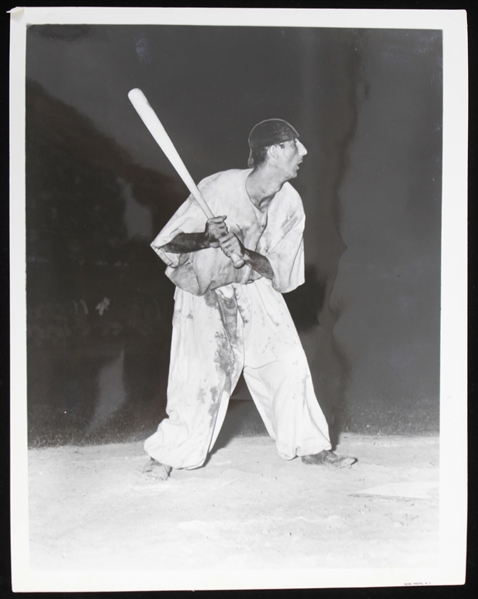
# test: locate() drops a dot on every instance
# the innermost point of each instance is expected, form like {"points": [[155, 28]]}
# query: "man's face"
{"points": [[289, 157]]}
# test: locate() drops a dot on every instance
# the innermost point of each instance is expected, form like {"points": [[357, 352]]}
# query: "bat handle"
{"points": [[237, 261]]}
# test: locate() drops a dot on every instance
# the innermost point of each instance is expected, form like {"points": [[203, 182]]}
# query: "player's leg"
{"points": [[201, 378], [278, 376], [283, 393]]}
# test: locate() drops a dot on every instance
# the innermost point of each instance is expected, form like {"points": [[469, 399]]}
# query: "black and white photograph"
{"points": [[238, 298]]}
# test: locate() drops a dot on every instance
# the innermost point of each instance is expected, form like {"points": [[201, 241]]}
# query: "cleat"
{"points": [[329, 459], [154, 470]]}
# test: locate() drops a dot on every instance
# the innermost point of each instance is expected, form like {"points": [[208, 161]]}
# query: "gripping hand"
{"points": [[215, 229]]}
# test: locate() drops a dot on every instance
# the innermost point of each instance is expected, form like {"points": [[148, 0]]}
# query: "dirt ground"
{"points": [[246, 508]]}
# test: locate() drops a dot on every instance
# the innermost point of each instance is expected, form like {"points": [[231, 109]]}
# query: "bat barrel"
{"points": [[155, 127]]}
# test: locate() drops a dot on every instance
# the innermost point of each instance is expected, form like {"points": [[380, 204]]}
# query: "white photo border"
{"points": [[450, 570]]}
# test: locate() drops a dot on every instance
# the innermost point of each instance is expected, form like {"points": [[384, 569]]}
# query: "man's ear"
{"points": [[273, 151]]}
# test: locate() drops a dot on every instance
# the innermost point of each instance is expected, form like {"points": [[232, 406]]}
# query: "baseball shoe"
{"points": [[155, 470], [329, 459]]}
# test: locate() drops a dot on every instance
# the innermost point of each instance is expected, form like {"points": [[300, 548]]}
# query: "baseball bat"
{"points": [[155, 127]]}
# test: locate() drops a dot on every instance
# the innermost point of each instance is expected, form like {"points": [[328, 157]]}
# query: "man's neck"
{"points": [[262, 184]]}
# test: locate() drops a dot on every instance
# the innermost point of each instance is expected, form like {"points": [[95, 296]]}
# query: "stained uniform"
{"points": [[227, 321]]}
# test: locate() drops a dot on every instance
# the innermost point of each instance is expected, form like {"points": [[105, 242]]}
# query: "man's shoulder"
{"points": [[291, 196]]}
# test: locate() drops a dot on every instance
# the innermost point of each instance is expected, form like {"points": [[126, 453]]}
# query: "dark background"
{"points": [[368, 106]]}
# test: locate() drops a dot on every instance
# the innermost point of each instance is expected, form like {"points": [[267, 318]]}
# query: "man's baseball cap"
{"points": [[269, 133]]}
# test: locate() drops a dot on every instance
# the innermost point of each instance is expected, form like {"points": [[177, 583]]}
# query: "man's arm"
{"points": [[230, 244], [259, 263], [184, 243]]}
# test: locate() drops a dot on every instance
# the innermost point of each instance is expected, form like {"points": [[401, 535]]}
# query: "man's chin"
{"points": [[292, 174]]}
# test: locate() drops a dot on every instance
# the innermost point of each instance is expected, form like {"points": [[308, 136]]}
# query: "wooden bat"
{"points": [[154, 126]]}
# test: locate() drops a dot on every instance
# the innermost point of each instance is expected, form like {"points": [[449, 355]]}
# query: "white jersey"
{"points": [[276, 233]]}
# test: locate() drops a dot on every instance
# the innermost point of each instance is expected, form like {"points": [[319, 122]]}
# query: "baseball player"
{"points": [[230, 320]]}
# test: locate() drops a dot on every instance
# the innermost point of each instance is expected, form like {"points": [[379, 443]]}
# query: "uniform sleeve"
{"points": [[180, 268], [286, 253], [187, 219]]}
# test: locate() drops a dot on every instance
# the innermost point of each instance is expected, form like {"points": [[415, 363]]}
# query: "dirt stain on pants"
{"points": [[236, 328]]}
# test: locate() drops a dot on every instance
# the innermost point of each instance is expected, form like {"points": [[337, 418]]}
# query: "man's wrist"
{"points": [[245, 254], [210, 241], [206, 238], [201, 240]]}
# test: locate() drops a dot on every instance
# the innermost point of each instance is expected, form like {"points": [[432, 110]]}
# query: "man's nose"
{"points": [[302, 148]]}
